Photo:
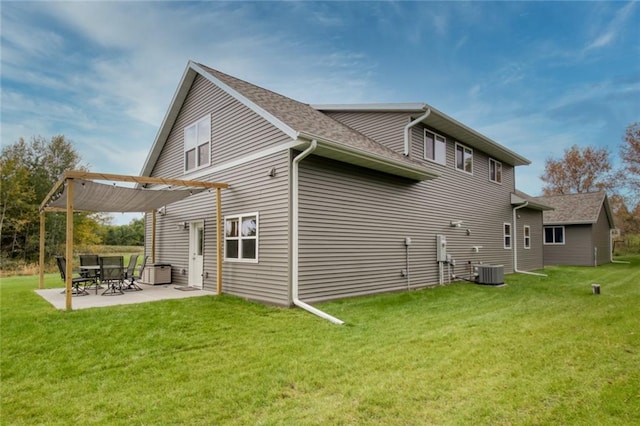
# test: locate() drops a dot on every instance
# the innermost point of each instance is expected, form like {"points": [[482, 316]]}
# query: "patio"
{"points": [[150, 293]]}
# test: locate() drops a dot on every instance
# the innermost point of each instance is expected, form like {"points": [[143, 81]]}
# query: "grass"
{"points": [[538, 351]]}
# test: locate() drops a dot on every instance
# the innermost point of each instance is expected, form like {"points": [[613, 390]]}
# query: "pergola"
{"points": [[79, 191]]}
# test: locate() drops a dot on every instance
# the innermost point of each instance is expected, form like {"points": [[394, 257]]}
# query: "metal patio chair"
{"points": [[130, 279], [112, 274], [75, 282], [93, 273]]}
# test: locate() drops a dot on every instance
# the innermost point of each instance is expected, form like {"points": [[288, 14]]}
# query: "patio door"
{"points": [[196, 250]]}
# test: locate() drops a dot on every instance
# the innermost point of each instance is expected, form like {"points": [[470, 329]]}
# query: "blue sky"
{"points": [[536, 77]]}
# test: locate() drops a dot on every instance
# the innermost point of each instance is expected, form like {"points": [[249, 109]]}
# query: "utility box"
{"points": [[441, 248], [158, 273]]}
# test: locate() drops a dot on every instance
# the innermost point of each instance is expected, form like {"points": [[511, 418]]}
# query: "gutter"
{"points": [[296, 244], [515, 244], [409, 126]]}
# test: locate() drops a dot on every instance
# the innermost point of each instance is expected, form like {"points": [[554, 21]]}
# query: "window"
{"points": [[197, 138], [495, 171], [554, 234], [507, 235], [527, 237], [435, 147], [464, 158], [241, 238]]}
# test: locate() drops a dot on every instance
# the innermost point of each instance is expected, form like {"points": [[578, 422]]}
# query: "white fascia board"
{"points": [[366, 159], [169, 119], [245, 101], [376, 107]]}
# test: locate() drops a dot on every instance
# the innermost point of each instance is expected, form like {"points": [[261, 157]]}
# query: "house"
{"points": [[333, 201], [578, 230]]}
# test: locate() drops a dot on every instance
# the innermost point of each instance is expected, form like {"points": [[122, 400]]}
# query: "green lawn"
{"points": [[537, 351]]}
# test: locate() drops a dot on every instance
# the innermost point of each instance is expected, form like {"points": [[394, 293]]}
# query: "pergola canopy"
{"points": [[99, 197], [76, 190], [91, 196]]}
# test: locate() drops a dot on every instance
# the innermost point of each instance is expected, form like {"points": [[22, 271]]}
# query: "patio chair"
{"points": [[94, 274], [112, 274], [129, 279], [75, 282]]}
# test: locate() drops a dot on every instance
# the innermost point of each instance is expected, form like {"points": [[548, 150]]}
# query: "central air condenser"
{"points": [[490, 274]]}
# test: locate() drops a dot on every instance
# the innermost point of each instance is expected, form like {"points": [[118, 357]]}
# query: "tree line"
{"points": [[28, 171]]}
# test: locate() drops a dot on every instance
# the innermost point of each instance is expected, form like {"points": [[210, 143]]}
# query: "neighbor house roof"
{"points": [[440, 121], [573, 209], [297, 120]]}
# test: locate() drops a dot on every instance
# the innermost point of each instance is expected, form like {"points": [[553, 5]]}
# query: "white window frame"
{"points": [[195, 145], [498, 166], [526, 237], [240, 238], [554, 243], [439, 148], [464, 151], [506, 235]]}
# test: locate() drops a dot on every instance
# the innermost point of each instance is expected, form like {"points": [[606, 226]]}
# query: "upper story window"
{"points": [[435, 147], [241, 238], [197, 144], [527, 237], [495, 171], [464, 158], [554, 234]]}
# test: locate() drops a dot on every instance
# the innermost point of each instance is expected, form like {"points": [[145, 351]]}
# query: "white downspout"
{"points": [[295, 242], [409, 126], [514, 231]]}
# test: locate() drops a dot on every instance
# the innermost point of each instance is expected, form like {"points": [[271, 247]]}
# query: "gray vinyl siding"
{"points": [[577, 249], [601, 238], [236, 133], [235, 130], [532, 258], [353, 223], [384, 127]]}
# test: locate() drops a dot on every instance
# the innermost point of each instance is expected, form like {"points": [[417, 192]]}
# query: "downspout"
{"points": [[514, 232], [409, 126], [295, 243]]}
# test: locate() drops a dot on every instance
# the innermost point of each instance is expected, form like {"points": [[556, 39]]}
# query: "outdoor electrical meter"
{"points": [[441, 248]]}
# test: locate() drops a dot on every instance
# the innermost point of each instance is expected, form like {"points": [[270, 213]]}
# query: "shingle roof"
{"points": [[518, 197], [573, 208], [305, 119]]}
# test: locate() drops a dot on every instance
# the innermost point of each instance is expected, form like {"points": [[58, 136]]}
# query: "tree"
{"points": [[578, 171], [28, 171], [630, 155]]}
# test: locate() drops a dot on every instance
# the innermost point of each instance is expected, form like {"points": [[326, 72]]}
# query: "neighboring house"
{"points": [[578, 230], [332, 201]]}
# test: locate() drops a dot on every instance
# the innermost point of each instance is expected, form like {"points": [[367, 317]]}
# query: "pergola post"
{"points": [[69, 253], [153, 237], [42, 221], [218, 241]]}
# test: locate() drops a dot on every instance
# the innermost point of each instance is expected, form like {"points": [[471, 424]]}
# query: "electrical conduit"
{"points": [[296, 245]]}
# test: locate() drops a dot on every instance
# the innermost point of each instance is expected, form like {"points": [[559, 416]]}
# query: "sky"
{"points": [[536, 77]]}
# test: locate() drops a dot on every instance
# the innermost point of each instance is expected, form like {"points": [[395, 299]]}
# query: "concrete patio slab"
{"points": [[150, 293]]}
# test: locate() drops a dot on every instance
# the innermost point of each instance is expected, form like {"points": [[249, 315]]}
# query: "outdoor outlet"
{"points": [[403, 272], [407, 241]]}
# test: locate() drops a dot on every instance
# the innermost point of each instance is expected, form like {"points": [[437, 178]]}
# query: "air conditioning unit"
{"points": [[490, 274]]}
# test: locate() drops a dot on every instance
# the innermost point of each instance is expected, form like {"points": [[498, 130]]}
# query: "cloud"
{"points": [[612, 30]]}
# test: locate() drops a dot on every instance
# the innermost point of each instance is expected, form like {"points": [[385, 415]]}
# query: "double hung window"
{"points": [[197, 144], [506, 227], [495, 171], [435, 147], [241, 238], [464, 158], [527, 237]]}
